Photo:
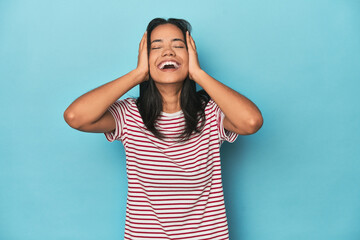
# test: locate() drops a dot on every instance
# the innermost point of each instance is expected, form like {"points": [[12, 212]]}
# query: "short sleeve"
{"points": [[224, 134], [118, 110]]}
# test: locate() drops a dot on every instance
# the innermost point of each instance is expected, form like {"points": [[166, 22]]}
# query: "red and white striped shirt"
{"points": [[174, 189]]}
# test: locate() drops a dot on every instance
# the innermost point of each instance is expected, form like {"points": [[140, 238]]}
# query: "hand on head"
{"points": [[194, 65], [143, 65]]}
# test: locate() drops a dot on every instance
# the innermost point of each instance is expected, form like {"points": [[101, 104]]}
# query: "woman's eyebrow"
{"points": [[174, 40]]}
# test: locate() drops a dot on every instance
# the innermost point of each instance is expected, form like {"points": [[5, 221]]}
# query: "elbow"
{"points": [[70, 119], [255, 124]]}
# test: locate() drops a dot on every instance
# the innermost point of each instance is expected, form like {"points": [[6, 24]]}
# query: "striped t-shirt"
{"points": [[174, 189]]}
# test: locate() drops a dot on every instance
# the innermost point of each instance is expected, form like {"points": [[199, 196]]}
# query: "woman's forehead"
{"points": [[166, 32]]}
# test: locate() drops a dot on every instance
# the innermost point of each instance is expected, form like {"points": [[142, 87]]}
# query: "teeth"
{"points": [[162, 65]]}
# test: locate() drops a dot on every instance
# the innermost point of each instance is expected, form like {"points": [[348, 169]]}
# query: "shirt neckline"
{"points": [[171, 114]]}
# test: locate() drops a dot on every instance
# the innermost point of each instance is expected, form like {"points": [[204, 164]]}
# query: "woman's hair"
{"points": [[192, 103]]}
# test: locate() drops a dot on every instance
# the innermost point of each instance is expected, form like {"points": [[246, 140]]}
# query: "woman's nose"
{"points": [[168, 52]]}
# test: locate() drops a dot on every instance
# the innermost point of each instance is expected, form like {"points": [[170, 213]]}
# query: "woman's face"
{"points": [[167, 45]]}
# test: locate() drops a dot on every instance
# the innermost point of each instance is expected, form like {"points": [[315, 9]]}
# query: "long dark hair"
{"points": [[192, 103]]}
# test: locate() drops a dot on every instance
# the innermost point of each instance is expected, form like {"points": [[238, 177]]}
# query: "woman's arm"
{"points": [[90, 107], [89, 111], [241, 115]]}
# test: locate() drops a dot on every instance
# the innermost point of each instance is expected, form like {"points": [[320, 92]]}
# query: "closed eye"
{"points": [[174, 47]]}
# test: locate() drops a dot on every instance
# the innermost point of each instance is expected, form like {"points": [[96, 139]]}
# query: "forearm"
{"points": [[238, 109], [89, 107]]}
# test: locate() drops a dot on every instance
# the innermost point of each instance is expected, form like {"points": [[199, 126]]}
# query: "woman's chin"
{"points": [[169, 77], [168, 80]]}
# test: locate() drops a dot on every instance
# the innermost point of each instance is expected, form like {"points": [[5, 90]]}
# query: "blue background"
{"points": [[298, 61]]}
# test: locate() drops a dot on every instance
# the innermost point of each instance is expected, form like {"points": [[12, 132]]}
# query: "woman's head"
{"points": [[172, 33], [167, 42]]}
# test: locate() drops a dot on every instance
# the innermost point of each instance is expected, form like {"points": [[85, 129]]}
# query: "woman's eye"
{"points": [[174, 47]]}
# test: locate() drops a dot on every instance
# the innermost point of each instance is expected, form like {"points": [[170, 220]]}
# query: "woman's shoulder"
{"points": [[210, 104], [125, 104], [127, 101], [212, 109], [205, 99]]}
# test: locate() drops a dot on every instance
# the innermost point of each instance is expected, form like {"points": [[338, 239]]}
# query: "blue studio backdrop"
{"points": [[297, 178]]}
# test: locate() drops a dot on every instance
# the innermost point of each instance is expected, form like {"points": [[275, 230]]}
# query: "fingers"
{"points": [[143, 41], [142, 64], [190, 40]]}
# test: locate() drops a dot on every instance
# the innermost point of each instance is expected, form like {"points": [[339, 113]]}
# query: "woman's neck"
{"points": [[171, 97]]}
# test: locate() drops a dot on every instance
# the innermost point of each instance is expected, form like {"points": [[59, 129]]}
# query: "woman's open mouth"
{"points": [[169, 66]]}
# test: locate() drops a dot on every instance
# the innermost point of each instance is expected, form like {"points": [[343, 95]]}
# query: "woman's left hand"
{"points": [[194, 65]]}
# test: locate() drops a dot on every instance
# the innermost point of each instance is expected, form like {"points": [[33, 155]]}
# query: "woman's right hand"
{"points": [[143, 64]]}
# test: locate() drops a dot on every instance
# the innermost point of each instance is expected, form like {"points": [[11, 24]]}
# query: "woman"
{"points": [[171, 135]]}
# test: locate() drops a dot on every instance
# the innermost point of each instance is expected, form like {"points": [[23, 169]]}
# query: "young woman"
{"points": [[171, 135]]}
